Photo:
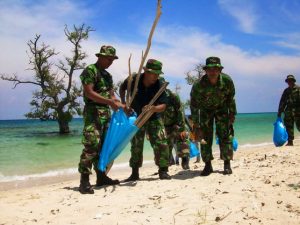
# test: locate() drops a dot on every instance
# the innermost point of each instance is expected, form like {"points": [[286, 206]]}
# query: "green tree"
{"points": [[57, 95], [191, 77]]}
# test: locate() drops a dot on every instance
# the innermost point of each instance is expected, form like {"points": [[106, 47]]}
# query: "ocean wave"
{"points": [[248, 145], [54, 173]]}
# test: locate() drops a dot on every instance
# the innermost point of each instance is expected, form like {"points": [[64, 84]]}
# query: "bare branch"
{"points": [[144, 56], [128, 94]]}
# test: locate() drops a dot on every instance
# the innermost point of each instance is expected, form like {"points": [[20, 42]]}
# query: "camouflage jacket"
{"points": [[289, 99], [173, 115], [102, 81], [208, 97]]}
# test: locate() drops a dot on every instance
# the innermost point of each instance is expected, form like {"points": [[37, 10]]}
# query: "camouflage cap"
{"points": [[153, 66], [290, 77], [213, 62], [107, 50]]}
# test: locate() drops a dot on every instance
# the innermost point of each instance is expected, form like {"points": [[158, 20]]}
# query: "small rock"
{"points": [[267, 181], [279, 202], [217, 219]]}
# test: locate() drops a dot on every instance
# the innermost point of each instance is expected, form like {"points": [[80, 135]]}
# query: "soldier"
{"points": [[148, 85], [173, 119], [289, 105], [98, 96], [212, 99]]}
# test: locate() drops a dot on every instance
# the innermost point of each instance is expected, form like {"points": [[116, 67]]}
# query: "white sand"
{"points": [[263, 189]]}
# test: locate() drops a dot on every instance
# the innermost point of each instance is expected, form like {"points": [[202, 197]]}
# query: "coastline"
{"points": [[263, 189]]}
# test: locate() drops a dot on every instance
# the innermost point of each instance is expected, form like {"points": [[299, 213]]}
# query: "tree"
{"points": [[191, 77], [57, 95]]}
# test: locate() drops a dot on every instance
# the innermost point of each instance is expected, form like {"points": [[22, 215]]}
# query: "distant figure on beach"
{"points": [[212, 99], [174, 123], [150, 82], [290, 105], [98, 98]]}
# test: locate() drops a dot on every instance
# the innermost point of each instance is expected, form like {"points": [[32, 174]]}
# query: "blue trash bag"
{"points": [[120, 131], [194, 151], [280, 135], [235, 143]]}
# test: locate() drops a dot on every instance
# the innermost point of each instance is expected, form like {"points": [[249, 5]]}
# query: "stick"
{"points": [[144, 56], [128, 97]]}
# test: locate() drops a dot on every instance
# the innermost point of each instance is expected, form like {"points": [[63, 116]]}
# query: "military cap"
{"points": [[107, 50], [153, 66]]}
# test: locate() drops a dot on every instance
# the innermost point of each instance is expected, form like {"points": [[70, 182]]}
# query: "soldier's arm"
{"points": [[231, 102], [195, 105], [180, 115], [88, 90], [282, 102]]}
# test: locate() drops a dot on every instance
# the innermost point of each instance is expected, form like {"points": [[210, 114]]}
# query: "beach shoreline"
{"points": [[263, 189]]}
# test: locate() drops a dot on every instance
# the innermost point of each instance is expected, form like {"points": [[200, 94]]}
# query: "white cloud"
{"points": [[179, 48], [243, 12]]}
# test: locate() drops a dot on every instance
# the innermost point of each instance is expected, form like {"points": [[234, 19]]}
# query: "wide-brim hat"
{"points": [[290, 77], [107, 50], [213, 62], [153, 66]]}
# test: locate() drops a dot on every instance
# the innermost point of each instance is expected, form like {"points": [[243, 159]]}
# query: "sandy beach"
{"points": [[263, 189]]}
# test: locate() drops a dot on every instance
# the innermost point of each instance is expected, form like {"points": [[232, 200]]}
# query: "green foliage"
{"points": [[57, 95]]}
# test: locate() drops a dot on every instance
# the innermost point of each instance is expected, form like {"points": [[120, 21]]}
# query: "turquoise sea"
{"points": [[32, 148]]}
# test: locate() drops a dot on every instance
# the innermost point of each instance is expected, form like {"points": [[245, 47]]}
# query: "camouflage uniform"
{"points": [[173, 119], [158, 141], [289, 104], [214, 102], [96, 117], [154, 126]]}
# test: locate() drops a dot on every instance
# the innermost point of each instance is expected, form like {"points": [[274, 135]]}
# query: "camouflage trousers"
{"points": [[96, 122], [157, 137], [290, 118], [175, 141], [221, 119]]}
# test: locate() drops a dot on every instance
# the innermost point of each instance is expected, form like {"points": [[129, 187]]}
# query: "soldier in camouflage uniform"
{"points": [[290, 106], [173, 119], [98, 96], [149, 84], [212, 99]]}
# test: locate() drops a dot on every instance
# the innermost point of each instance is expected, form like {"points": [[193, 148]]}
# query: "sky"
{"points": [[258, 42]]}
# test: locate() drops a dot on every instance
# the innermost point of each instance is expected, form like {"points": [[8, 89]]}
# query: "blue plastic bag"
{"points": [[280, 135], [120, 131], [194, 151], [235, 143]]}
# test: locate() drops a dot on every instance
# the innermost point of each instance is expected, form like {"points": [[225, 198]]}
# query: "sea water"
{"points": [[34, 148]]}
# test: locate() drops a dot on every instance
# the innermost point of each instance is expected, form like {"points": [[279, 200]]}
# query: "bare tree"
{"points": [[57, 95]]}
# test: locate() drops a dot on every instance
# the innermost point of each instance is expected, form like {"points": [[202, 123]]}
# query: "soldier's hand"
{"points": [[114, 104], [184, 135], [231, 118], [198, 134], [128, 111]]}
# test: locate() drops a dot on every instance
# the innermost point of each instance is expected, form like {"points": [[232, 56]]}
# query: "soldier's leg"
{"points": [[206, 125], [225, 141], [136, 159], [289, 125], [170, 140], [158, 140], [183, 151], [90, 140]]}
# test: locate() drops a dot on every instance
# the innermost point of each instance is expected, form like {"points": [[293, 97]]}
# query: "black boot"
{"points": [[207, 169], [85, 186], [163, 174], [134, 175], [227, 168], [185, 163], [290, 143], [103, 179]]}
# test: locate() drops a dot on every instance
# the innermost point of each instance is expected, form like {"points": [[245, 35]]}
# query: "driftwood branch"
{"points": [[144, 56], [128, 94]]}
